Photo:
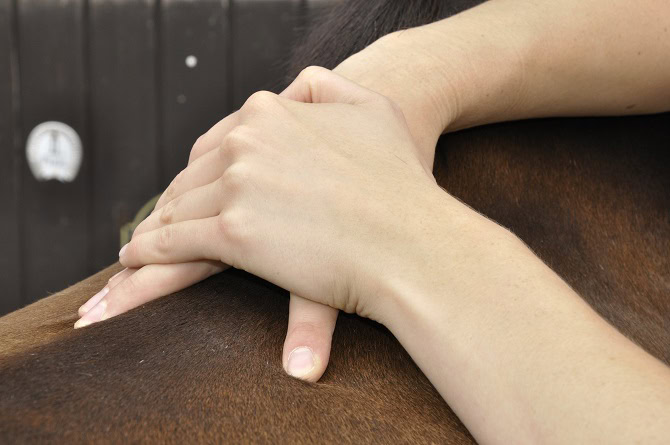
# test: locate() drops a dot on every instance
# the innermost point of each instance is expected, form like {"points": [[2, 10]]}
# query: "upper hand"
{"points": [[310, 325], [299, 194]]}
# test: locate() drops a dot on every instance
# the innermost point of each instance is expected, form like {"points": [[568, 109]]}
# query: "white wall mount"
{"points": [[54, 151]]}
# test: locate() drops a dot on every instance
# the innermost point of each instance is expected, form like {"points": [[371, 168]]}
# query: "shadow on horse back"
{"points": [[588, 195]]}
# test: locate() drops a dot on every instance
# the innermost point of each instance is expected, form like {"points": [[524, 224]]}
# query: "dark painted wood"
{"points": [[117, 72], [193, 98], [10, 259], [263, 34], [55, 215], [121, 50]]}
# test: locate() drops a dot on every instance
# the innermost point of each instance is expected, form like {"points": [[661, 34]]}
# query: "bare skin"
{"points": [[506, 59]]}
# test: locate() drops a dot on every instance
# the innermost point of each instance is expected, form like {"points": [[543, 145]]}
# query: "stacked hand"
{"points": [[304, 189], [326, 191]]}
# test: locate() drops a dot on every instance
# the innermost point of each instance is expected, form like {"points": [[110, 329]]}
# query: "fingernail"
{"points": [[123, 249], [92, 316], [300, 362], [92, 301]]}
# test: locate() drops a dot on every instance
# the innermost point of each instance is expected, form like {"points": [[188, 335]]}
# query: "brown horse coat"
{"points": [[590, 196]]}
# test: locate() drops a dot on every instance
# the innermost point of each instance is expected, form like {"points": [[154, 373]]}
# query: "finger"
{"points": [[146, 284], [116, 278], [198, 203], [213, 137], [193, 240], [308, 338], [202, 171], [320, 85]]}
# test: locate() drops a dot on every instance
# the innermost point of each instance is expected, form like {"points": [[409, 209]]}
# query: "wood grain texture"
{"points": [[10, 258], [117, 72], [204, 365], [193, 98], [589, 196], [264, 31], [124, 123], [53, 87]]}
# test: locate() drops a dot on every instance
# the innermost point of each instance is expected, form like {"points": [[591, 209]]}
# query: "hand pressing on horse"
{"points": [[310, 328], [297, 193], [311, 325], [367, 230], [332, 201]]}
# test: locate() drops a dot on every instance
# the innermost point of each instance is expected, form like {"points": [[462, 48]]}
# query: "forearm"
{"points": [[514, 59], [514, 351]]}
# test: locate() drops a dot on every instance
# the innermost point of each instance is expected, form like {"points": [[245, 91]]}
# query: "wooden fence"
{"points": [[139, 81]]}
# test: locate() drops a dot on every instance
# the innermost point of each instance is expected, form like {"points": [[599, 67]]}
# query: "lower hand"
{"points": [[306, 196], [310, 325]]}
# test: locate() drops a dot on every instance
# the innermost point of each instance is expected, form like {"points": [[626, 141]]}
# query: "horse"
{"points": [[588, 195]]}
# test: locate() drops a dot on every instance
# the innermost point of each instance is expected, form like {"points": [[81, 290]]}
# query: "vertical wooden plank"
{"points": [[123, 117], [195, 45], [10, 260], [263, 33], [55, 214]]}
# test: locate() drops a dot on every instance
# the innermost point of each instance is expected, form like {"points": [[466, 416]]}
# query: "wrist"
{"points": [[450, 252], [467, 70], [482, 64], [384, 67]]}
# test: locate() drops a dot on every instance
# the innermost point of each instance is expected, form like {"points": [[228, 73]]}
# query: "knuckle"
{"points": [[130, 285], [260, 100], [311, 77], [235, 177], [168, 193], [233, 228], [167, 212], [238, 140], [307, 329], [311, 73], [165, 238], [171, 191]]}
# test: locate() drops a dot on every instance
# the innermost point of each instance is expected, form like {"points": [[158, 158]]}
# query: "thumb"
{"points": [[320, 85]]}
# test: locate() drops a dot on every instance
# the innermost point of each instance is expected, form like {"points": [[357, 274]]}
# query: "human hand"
{"points": [[417, 84], [322, 181], [310, 325]]}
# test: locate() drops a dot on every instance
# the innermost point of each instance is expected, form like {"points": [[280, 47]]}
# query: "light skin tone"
{"points": [[535, 58], [354, 220]]}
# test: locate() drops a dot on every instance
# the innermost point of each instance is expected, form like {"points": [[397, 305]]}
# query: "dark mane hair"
{"points": [[589, 196], [345, 29]]}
